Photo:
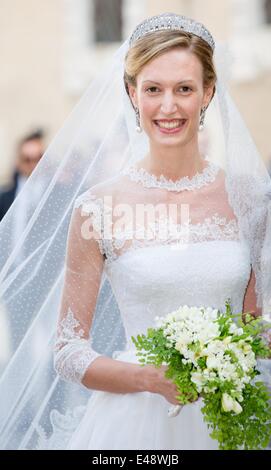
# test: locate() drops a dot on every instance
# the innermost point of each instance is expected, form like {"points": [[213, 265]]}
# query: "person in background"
{"points": [[30, 150]]}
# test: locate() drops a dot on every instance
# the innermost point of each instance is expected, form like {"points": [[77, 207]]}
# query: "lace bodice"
{"points": [[195, 256]]}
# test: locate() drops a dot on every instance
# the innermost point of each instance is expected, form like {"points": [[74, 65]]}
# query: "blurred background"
{"points": [[50, 51]]}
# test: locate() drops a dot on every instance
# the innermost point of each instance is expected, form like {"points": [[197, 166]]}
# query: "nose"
{"points": [[168, 104]]}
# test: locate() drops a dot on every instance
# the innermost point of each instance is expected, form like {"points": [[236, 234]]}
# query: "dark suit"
{"points": [[7, 196]]}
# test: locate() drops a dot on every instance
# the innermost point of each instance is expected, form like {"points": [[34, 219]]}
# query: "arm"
{"points": [[250, 305], [75, 360], [250, 301]]}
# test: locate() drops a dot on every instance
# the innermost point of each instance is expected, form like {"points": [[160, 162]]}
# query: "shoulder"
{"points": [[101, 195]]}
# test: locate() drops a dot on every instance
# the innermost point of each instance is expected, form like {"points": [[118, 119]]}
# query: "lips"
{"points": [[170, 125]]}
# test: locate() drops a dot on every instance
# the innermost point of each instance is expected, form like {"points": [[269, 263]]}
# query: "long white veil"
{"points": [[96, 142]]}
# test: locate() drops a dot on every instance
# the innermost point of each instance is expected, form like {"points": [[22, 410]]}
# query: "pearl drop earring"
{"points": [[138, 126], [202, 117]]}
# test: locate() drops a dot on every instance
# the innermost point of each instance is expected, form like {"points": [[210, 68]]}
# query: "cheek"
{"points": [[193, 106], [147, 107]]}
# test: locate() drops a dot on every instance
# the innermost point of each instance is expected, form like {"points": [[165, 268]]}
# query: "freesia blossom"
{"points": [[229, 404]]}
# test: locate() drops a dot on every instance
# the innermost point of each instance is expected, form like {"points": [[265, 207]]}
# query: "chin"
{"points": [[169, 141]]}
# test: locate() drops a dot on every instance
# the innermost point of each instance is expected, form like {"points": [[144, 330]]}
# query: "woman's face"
{"points": [[169, 95]]}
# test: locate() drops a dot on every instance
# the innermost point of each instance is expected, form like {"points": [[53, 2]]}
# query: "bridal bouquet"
{"points": [[208, 354]]}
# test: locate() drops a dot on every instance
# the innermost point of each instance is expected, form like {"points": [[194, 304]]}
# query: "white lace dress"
{"points": [[203, 266]]}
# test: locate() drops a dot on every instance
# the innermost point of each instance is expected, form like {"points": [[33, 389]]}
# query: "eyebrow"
{"points": [[178, 83]]}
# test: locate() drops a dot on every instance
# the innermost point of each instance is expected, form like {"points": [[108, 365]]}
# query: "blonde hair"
{"points": [[154, 44]]}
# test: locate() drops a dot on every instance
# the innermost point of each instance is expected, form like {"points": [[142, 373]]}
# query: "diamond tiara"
{"points": [[173, 22]]}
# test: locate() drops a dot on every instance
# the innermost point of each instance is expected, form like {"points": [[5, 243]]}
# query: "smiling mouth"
{"points": [[170, 124]]}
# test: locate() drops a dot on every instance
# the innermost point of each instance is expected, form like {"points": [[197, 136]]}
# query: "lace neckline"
{"points": [[148, 180]]}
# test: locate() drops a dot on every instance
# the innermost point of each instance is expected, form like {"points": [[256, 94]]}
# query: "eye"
{"points": [[185, 89], [152, 89]]}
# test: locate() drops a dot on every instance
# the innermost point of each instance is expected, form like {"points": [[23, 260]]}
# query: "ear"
{"points": [[132, 94], [208, 94]]}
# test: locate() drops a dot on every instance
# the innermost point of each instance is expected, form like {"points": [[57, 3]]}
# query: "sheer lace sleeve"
{"points": [[83, 272]]}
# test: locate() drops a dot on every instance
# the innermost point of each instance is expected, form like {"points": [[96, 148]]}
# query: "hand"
{"points": [[156, 382]]}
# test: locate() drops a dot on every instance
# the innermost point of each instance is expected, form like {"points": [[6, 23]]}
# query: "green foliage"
{"points": [[153, 349], [250, 429]]}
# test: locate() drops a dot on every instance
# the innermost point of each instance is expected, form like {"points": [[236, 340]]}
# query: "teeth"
{"points": [[170, 125]]}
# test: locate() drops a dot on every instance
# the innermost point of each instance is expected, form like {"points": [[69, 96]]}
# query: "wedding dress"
{"points": [[197, 261], [118, 284]]}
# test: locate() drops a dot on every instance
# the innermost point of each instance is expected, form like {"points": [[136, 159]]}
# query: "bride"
{"points": [[160, 225]]}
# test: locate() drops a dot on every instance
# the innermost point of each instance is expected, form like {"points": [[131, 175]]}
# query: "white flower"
{"points": [[213, 362], [237, 408], [227, 340], [229, 404], [247, 348], [239, 331], [233, 328], [198, 379]]}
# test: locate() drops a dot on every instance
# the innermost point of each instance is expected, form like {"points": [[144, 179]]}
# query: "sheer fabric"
{"points": [[108, 288], [160, 256], [128, 213]]}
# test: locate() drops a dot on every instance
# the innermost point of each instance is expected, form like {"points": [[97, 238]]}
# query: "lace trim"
{"points": [[212, 229], [67, 330], [64, 425], [140, 175], [73, 353], [160, 232], [96, 208]]}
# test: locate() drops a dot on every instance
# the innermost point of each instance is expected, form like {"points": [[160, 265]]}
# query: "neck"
{"points": [[175, 162]]}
